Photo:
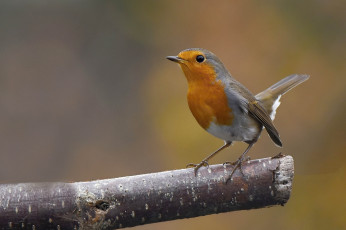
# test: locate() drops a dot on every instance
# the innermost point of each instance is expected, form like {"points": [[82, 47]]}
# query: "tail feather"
{"points": [[286, 84], [270, 97]]}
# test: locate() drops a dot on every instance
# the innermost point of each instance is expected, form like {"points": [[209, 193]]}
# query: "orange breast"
{"points": [[208, 102]]}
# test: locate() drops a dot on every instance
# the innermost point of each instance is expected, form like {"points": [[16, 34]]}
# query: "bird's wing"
{"points": [[258, 112], [248, 104]]}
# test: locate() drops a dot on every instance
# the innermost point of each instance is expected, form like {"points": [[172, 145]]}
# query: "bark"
{"points": [[149, 198]]}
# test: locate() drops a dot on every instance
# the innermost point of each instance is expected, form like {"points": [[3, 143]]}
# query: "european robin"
{"points": [[224, 107]]}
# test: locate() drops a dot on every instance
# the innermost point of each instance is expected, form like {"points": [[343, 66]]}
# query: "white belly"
{"points": [[240, 130]]}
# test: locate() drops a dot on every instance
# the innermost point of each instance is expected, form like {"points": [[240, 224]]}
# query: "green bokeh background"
{"points": [[86, 93]]}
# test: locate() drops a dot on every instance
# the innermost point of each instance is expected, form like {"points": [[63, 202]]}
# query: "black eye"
{"points": [[200, 58]]}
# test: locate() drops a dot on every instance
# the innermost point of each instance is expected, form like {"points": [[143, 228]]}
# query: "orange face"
{"points": [[206, 96], [194, 65]]}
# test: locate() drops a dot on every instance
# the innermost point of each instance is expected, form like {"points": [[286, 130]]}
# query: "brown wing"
{"points": [[250, 105], [257, 111]]}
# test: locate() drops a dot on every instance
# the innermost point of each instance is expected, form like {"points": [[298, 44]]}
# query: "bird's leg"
{"points": [[239, 161], [204, 162]]}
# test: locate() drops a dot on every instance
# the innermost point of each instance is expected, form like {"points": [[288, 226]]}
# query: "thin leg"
{"points": [[204, 162], [239, 161]]}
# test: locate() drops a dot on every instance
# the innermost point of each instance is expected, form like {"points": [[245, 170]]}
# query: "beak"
{"points": [[175, 59]]}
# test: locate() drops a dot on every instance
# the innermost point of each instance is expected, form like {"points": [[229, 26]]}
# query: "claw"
{"points": [[205, 163], [239, 161], [230, 163], [197, 166], [236, 164], [191, 165]]}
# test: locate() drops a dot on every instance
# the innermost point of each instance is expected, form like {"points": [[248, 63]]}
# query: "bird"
{"points": [[227, 109]]}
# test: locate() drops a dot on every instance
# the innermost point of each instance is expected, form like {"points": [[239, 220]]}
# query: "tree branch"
{"points": [[149, 198]]}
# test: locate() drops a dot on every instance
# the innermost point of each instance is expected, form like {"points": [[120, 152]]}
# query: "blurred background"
{"points": [[86, 93]]}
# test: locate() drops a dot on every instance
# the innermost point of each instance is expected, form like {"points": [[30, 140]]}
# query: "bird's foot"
{"points": [[236, 164], [197, 166]]}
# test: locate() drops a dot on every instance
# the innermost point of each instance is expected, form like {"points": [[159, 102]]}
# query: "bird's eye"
{"points": [[200, 58]]}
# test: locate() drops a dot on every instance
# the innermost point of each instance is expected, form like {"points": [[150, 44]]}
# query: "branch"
{"points": [[143, 199]]}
